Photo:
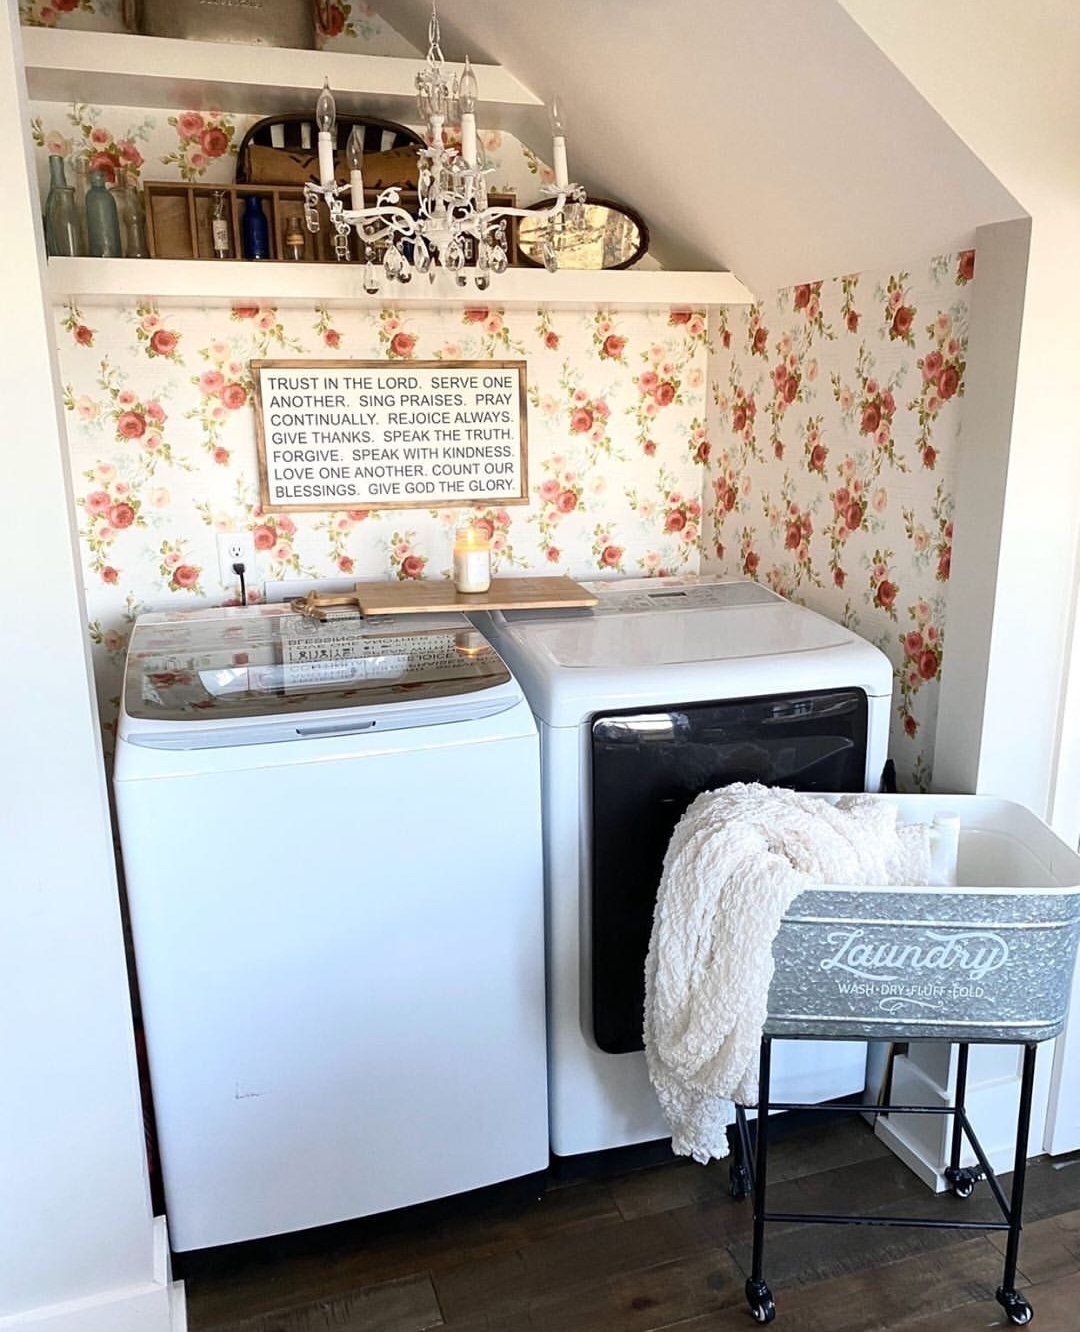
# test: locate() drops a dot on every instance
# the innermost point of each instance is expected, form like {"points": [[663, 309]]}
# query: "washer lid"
{"points": [[246, 665], [684, 633]]}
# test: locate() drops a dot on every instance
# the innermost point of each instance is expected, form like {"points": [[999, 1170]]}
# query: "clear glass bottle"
{"points": [[137, 243], [61, 216], [102, 220], [219, 226], [81, 170], [132, 218], [255, 231], [121, 196]]}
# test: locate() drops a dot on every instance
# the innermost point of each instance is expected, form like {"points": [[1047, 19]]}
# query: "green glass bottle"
{"points": [[102, 220], [61, 216]]}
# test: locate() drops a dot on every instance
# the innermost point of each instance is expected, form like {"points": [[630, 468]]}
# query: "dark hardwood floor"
{"points": [[639, 1240]]}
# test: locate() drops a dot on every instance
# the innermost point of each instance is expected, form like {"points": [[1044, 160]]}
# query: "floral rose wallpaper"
{"points": [[834, 416]]}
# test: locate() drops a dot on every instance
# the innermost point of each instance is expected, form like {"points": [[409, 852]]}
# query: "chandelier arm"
{"points": [[393, 219], [497, 211]]}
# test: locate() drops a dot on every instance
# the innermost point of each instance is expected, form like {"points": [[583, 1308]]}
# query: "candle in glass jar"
{"points": [[472, 560]]}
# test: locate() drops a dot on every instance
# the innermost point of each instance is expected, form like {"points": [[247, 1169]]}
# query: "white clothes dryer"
{"points": [[331, 844], [666, 688]]}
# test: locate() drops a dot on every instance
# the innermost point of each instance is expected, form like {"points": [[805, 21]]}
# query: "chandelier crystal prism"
{"points": [[454, 227]]}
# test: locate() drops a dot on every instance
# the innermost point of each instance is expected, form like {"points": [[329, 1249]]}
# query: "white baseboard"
{"points": [[157, 1306], [912, 1154]]}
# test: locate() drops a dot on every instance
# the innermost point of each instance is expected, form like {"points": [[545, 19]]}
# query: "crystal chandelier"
{"points": [[454, 227]]}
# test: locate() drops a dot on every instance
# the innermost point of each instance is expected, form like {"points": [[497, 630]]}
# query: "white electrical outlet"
{"points": [[235, 548]]}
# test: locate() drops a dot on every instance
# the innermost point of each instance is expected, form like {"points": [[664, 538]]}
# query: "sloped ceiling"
{"points": [[768, 137]]}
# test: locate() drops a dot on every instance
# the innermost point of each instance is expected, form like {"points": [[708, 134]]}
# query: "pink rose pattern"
{"points": [[225, 389], [495, 339], [340, 24], [397, 343], [154, 335], [51, 13], [354, 25], [325, 330], [87, 139], [81, 334], [178, 569], [109, 508], [406, 560], [839, 492], [202, 139], [587, 417]]}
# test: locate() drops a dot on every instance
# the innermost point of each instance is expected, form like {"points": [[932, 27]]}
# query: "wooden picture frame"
{"points": [[338, 435]]}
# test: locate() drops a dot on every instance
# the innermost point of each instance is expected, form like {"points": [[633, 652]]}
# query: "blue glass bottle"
{"points": [[255, 230], [102, 220]]}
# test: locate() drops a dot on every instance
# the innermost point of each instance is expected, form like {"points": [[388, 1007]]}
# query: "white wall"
{"points": [[75, 1217], [997, 312], [1004, 76], [770, 137]]}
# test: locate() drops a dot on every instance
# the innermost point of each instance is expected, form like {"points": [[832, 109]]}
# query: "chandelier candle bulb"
{"points": [[472, 561], [354, 153], [468, 137], [468, 92], [326, 119], [558, 146]]}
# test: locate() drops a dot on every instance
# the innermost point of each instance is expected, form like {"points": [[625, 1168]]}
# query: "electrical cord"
{"points": [[238, 569]]}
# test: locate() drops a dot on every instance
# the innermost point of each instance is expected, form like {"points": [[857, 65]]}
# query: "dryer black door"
{"points": [[647, 766]]}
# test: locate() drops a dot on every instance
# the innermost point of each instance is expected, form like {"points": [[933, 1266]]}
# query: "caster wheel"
{"points": [[760, 1299], [738, 1182], [1016, 1307], [962, 1182]]}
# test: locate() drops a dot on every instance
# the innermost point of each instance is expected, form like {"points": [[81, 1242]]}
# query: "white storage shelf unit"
{"points": [[124, 70]]}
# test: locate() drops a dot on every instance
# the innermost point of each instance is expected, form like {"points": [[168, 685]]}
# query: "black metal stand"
{"points": [[749, 1172]]}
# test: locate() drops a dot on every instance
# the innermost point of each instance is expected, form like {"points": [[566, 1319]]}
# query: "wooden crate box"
{"points": [[178, 220]]}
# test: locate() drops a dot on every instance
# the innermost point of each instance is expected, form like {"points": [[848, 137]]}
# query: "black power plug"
{"points": [[239, 569]]}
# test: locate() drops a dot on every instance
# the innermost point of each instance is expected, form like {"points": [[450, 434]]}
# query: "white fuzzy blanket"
{"points": [[736, 860]]}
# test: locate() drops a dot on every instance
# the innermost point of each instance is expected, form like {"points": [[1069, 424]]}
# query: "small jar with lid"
{"points": [[293, 237], [472, 560]]}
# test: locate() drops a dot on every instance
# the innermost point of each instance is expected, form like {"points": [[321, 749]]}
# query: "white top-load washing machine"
{"points": [[666, 688], [331, 845]]}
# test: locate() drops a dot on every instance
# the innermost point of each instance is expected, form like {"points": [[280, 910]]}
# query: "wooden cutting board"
{"points": [[439, 594]]}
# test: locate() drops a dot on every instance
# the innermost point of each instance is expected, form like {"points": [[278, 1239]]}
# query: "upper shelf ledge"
{"points": [[121, 69], [209, 282]]}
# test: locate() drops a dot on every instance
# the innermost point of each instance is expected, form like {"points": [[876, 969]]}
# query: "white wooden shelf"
{"points": [[122, 69], [207, 282]]}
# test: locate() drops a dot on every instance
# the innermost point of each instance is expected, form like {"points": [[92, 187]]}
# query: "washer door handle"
{"points": [[644, 726]]}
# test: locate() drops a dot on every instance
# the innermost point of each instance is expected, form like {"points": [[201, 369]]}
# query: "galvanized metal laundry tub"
{"points": [[989, 960]]}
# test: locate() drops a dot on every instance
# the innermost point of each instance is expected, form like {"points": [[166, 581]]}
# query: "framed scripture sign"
{"points": [[390, 434]]}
